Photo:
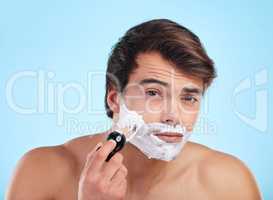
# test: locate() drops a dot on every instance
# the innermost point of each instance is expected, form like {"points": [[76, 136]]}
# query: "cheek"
{"points": [[135, 105], [150, 110], [134, 99], [142, 103], [188, 120], [154, 105]]}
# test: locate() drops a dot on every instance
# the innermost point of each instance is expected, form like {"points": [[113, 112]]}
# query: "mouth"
{"points": [[169, 137]]}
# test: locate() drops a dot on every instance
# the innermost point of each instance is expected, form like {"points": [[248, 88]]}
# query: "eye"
{"points": [[152, 93], [189, 99]]}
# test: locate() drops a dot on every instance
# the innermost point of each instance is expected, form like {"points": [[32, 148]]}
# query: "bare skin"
{"points": [[76, 170]]}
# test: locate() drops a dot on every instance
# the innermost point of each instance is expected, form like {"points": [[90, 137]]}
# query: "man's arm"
{"points": [[228, 178], [37, 175]]}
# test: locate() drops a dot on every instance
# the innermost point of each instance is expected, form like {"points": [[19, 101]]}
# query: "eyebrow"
{"points": [[184, 90], [152, 80], [192, 90]]}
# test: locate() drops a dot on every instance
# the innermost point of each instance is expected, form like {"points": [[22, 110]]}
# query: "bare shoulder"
{"points": [[41, 172], [226, 177]]}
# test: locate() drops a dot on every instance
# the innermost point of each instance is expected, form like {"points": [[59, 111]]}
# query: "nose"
{"points": [[170, 113]]}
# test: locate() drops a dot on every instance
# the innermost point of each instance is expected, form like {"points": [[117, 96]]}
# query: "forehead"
{"points": [[152, 65]]}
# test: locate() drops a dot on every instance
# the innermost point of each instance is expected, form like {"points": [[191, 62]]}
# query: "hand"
{"points": [[101, 180]]}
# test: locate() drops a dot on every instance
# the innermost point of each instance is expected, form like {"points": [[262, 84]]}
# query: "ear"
{"points": [[113, 100]]}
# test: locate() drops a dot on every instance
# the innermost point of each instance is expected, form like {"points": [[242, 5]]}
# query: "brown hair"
{"points": [[174, 42]]}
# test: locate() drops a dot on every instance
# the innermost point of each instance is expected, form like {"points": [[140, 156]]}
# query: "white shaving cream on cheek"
{"points": [[144, 138]]}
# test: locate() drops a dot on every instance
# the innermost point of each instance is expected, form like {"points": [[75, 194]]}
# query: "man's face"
{"points": [[161, 93]]}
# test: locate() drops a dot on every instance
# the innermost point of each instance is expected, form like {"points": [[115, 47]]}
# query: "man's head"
{"points": [[161, 70]]}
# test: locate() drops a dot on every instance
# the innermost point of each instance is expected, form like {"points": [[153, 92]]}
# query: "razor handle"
{"points": [[120, 142]]}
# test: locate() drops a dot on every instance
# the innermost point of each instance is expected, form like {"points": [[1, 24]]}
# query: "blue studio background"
{"points": [[53, 55]]}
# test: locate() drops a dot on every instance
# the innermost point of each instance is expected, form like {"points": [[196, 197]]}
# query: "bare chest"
{"points": [[189, 189]]}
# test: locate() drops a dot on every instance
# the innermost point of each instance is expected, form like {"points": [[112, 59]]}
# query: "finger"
{"points": [[122, 184], [112, 166], [119, 176], [90, 155], [101, 155], [92, 152], [119, 185]]}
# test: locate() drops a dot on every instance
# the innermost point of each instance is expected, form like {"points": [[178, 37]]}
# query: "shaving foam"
{"points": [[143, 138]]}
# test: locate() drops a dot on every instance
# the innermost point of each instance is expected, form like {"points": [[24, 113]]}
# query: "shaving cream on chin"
{"points": [[145, 140]]}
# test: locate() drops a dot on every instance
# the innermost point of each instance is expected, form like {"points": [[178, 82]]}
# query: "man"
{"points": [[158, 70]]}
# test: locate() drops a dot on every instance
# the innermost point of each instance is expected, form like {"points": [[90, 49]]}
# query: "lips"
{"points": [[169, 137]]}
